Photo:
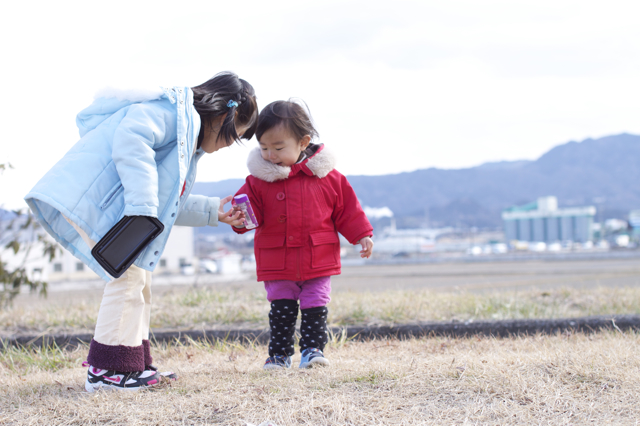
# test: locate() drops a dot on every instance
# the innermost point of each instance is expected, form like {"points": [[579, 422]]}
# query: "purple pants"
{"points": [[311, 293]]}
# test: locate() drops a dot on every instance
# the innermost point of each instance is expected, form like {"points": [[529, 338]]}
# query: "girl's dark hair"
{"points": [[292, 115], [211, 98]]}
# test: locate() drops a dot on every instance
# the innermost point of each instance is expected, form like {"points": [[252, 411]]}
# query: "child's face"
{"points": [[280, 147], [210, 141]]}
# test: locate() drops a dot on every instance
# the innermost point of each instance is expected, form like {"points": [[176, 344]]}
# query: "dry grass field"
{"points": [[371, 295], [206, 308], [570, 379], [564, 379]]}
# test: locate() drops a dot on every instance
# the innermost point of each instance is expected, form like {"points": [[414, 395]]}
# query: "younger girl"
{"points": [[301, 203], [137, 156]]}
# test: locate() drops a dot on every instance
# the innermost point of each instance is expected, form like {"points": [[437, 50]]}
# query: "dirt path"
{"points": [[490, 276]]}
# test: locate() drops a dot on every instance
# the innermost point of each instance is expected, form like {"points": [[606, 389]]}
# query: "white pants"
{"points": [[125, 310]]}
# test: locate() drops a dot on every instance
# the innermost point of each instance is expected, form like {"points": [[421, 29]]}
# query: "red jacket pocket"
{"points": [[270, 252], [325, 250]]}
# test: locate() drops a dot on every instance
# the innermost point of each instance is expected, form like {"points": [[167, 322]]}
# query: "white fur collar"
{"points": [[320, 164]]}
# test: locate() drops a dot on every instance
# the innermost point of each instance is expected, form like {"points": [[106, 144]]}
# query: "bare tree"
{"points": [[20, 233]]}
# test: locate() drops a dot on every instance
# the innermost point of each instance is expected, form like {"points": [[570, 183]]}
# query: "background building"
{"points": [[634, 222], [543, 221], [178, 254]]}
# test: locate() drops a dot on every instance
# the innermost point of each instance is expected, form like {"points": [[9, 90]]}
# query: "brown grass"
{"points": [[208, 308], [562, 379]]}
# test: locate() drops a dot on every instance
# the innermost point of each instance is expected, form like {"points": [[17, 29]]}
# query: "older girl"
{"points": [[137, 156]]}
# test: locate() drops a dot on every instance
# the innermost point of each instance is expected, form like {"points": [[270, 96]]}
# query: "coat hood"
{"points": [[110, 99], [319, 164]]}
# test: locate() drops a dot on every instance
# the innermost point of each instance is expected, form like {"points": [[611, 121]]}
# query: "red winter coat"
{"points": [[300, 210]]}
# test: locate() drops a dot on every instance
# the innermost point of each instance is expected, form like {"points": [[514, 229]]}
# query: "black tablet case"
{"points": [[122, 245]]}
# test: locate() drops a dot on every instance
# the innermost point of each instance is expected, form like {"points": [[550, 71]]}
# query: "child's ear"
{"points": [[304, 142]]}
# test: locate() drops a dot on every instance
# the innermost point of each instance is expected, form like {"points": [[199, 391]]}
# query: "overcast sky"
{"points": [[393, 86]]}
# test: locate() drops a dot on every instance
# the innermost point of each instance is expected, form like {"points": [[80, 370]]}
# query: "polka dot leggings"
{"points": [[282, 321], [313, 328]]}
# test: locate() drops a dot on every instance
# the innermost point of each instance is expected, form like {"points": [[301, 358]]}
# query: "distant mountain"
{"points": [[504, 165], [218, 189], [603, 172]]}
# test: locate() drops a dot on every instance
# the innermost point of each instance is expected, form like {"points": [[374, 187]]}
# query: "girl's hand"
{"points": [[367, 247], [234, 217]]}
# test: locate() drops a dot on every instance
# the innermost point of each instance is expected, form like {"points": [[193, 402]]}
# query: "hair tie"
{"points": [[232, 103]]}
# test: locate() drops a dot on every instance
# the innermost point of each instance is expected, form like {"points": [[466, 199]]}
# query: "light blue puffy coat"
{"points": [[132, 159]]}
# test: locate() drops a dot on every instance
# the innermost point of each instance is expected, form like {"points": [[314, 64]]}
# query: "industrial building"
{"points": [[634, 222], [543, 221]]}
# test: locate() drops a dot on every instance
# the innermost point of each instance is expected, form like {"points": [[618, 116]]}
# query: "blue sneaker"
{"points": [[312, 357], [277, 362]]}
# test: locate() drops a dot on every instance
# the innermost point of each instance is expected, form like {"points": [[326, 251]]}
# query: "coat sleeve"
{"points": [[256, 203], [143, 128], [348, 215], [199, 210]]}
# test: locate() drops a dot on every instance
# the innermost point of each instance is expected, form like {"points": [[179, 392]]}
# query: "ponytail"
{"points": [[226, 93]]}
